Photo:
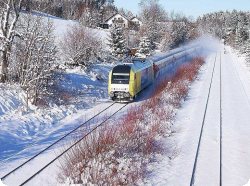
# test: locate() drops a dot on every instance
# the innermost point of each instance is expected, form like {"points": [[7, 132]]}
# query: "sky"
{"points": [[192, 8]]}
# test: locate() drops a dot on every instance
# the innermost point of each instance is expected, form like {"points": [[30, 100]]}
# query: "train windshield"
{"points": [[120, 74], [118, 78]]}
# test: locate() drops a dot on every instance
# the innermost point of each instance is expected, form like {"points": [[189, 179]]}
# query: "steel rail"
{"points": [[54, 143], [202, 126], [65, 151], [220, 123]]}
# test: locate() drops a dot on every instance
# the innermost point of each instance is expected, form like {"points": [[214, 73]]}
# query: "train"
{"points": [[126, 80]]}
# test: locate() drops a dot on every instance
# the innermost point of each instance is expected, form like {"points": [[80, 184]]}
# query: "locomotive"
{"points": [[128, 79]]}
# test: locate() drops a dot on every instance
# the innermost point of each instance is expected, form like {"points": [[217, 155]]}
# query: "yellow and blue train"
{"points": [[127, 80]]}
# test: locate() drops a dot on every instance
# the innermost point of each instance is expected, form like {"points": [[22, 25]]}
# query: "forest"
{"points": [[30, 56]]}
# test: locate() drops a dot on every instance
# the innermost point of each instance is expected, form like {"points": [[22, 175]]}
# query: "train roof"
{"points": [[136, 64], [124, 69], [140, 64]]}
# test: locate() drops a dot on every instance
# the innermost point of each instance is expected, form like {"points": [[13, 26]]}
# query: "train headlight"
{"points": [[111, 94], [126, 94]]}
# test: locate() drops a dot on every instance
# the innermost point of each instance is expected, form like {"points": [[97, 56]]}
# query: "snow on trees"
{"points": [[234, 28], [72, 9], [247, 49], [9, 17], [117, 41], [26, 59], [152, 15], [248, 52], [238, 40], [231, 26], [144, 48], [180, 32], [90, 18], [167, 41], [33, 57], [80, 46]]}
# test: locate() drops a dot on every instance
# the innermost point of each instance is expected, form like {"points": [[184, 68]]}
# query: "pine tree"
{"points": [[247, 51], [117, 41], [144, 47], [238, 41]]}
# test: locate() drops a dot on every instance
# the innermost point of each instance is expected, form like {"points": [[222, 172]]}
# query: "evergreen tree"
{"points": [[117, 41], [238, 40], [144, 47], [153, 33], [247, 51]]}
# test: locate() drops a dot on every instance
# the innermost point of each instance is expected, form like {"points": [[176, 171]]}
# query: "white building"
{"points": [[136, 21], [118, 19]]}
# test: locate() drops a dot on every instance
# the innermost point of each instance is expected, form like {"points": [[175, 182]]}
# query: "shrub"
{"points": [[118, 152]]}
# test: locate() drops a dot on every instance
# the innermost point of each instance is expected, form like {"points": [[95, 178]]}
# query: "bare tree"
{"points": [[152, 10], [33, 56], [90, 18], [152, 15], [80, 46], [9, 18]]}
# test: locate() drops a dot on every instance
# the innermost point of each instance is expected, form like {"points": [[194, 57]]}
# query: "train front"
{"points": [[119, 79]]}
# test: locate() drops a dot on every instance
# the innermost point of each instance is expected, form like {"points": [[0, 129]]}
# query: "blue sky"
{"points": [[190, 7]]}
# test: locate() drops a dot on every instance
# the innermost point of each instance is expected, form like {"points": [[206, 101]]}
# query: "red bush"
{"points": [[133, 138]]}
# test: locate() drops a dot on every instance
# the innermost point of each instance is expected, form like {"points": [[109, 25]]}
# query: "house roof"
{"points": [[135, 17], [115, 15]]}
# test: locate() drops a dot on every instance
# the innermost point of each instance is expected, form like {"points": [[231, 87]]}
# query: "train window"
{"points": [[121, 74], [118, 78]]}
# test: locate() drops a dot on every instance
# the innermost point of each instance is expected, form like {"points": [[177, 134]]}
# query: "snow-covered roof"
{"points": [[115, 15], [135, 17]]}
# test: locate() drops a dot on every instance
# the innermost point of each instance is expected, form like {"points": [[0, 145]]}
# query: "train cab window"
{"points": [[121, 74], [120, 78]]}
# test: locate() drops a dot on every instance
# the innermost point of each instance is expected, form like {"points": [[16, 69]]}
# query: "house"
{"points": [[136, 21], [118, 19], [133, 24]]}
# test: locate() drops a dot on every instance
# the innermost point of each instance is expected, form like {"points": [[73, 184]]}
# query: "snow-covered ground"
{"points": [[28, 137], [24, 132], [79, 91], [177, 169], [34, 141], [84, 94]]}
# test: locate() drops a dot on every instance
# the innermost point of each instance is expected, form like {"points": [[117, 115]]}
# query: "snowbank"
{"points": [[1, 183], [12, 97], [248, 184]]}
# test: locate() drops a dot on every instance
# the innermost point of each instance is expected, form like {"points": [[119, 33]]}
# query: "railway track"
{"points": [[202, 138], [87, 127], [36, 141], [221, 127], [11, 177]]}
